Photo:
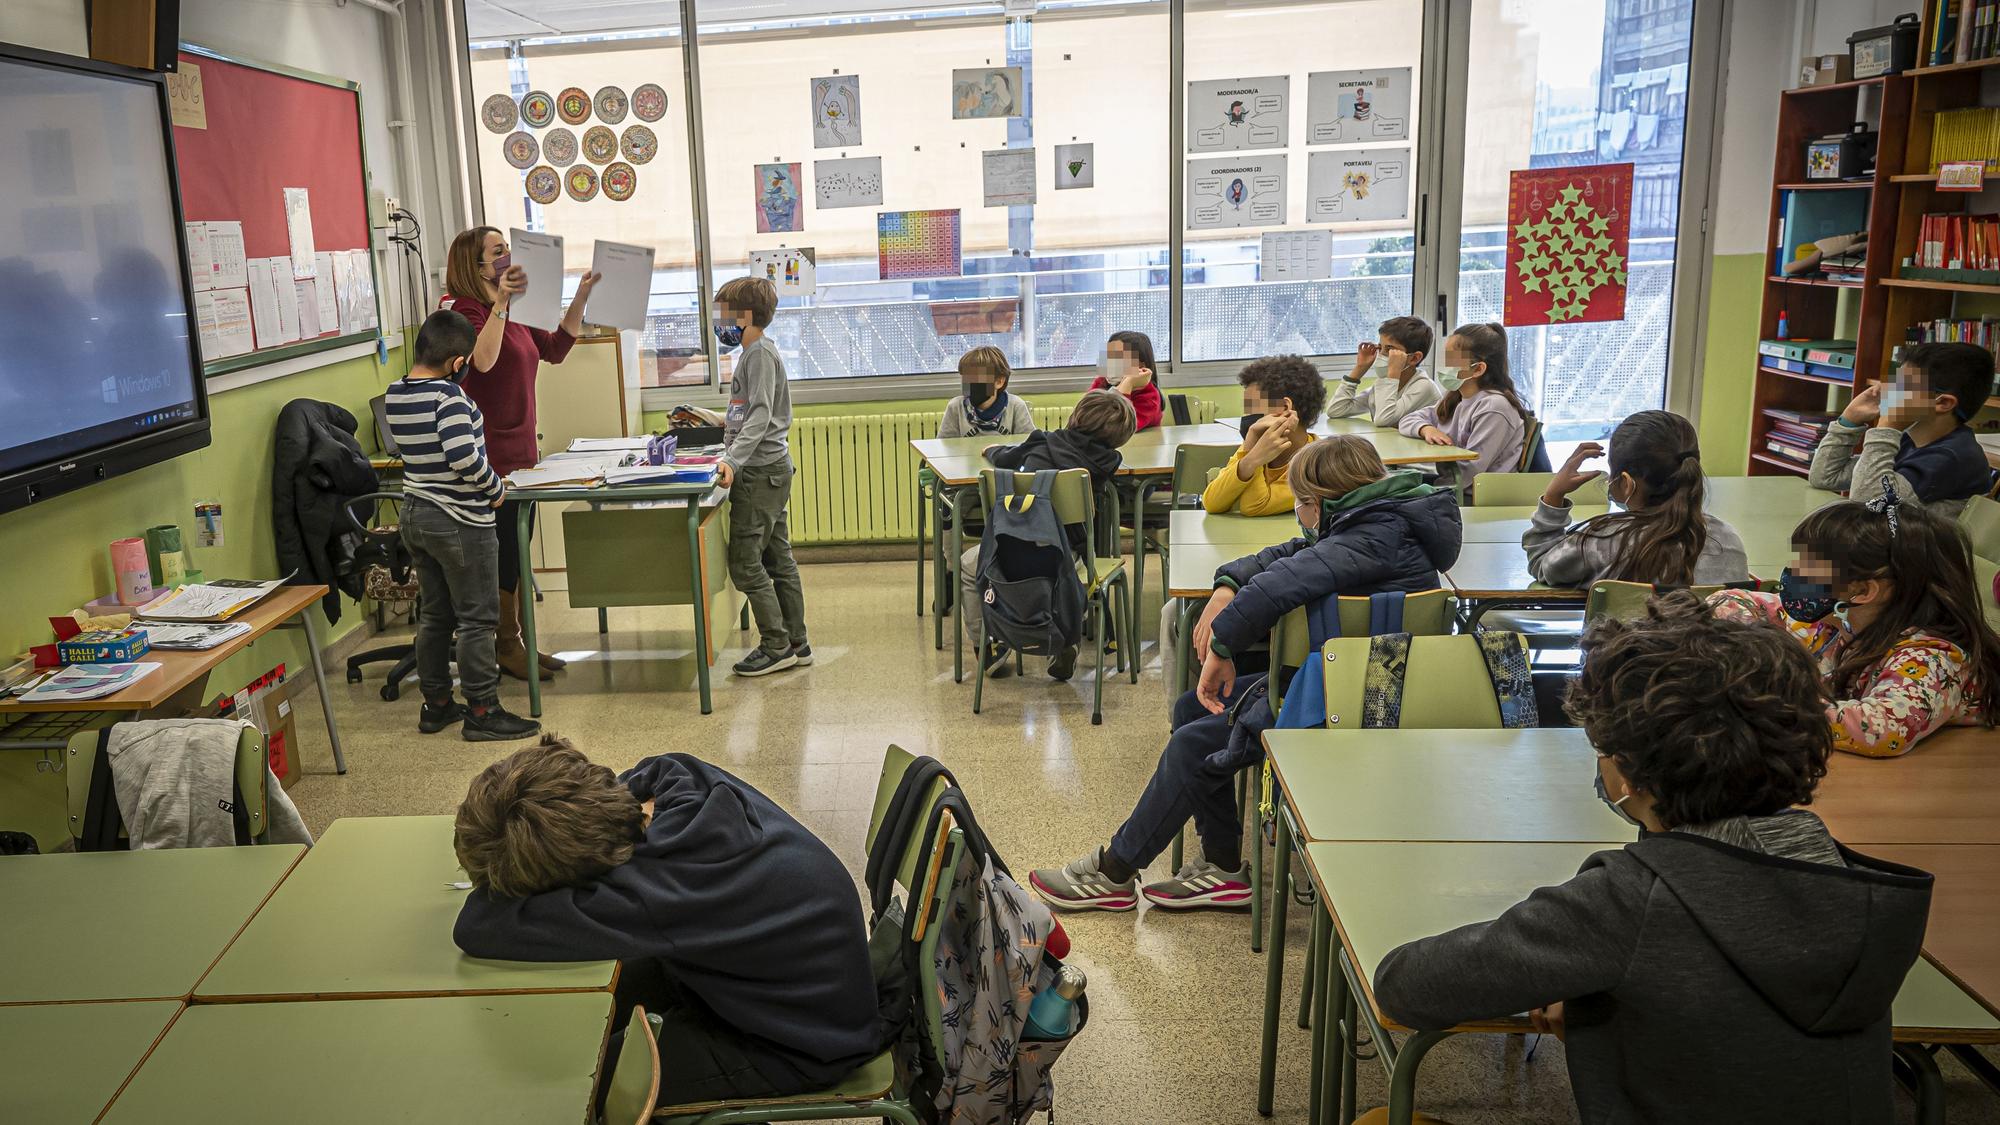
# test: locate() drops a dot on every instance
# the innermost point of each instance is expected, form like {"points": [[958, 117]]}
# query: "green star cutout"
{"points": [[1532, 284], [1571, 195], [1614, 262], [1598, 224], [1524, 231]]}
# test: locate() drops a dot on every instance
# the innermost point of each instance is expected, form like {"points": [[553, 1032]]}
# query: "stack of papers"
{"points": [[609, 444], [660, 474], [208, 601], [87, 681], [194, 636], [556, 475]]}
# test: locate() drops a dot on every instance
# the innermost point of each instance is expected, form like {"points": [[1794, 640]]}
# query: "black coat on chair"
{"points": [[316, 467]]}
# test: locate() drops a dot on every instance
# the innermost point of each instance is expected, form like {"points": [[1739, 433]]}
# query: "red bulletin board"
{"points": [[269, 130], [1568, 236]]}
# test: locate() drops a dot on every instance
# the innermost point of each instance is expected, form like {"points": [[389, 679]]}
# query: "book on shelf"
{"points": [[1971, 133], [1985, 332], [1960, 31], [1951, 241], [1796, 435], [1797, 456], [1815, 418]]}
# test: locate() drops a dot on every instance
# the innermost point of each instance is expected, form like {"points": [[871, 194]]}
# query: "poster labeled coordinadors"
{"points": [[855, 182], [1357, 185], [836, 110], [1351, 106], [790, 268], [1228, 114], [1236, 191]]}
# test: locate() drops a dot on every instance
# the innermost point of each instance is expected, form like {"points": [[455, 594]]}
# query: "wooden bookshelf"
{"points": [[1940, 286]]}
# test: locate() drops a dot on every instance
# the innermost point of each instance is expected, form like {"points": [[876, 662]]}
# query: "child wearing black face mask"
{"points": [[985, 409], [1882, 595], [447, 523]]}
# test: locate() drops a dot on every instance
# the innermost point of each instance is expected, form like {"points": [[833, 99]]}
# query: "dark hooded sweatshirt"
{"points": [[1702, 982], [1061, 449], [739, 904]]}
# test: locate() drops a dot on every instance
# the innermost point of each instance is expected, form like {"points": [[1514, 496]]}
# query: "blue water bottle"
{"points": [[1052, 1015]]}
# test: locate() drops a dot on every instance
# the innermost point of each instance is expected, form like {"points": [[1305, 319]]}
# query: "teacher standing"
{"points": [[500, 380]]}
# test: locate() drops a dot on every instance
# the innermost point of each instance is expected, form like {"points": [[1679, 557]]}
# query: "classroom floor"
{"points": [[1175, 999]]}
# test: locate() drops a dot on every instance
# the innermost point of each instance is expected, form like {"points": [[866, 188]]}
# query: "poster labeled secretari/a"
{"points": [[854, 182], [1358, 185], [1009, 176], [836, 111], [1295, 255], [790, 268], [1355, 106], [1232, 114], [1236, 191]]}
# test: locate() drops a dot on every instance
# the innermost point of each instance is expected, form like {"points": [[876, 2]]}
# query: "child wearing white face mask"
{"points": [[1401, 387], [1882, 595], [1128, 369], [1480, 411]]}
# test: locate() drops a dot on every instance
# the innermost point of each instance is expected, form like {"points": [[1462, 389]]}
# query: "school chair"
{"points": [[635, 1081], [1533, 457], [1981, 521], [388, 575], [1194, 467], [1626, 601], [1102, 578], [1438, 676], [97, 825], [1524, 490], [1177, 410]]}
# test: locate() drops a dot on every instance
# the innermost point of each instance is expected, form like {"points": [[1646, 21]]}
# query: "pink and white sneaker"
{"points": [[1081, 884], [1200, 884]]}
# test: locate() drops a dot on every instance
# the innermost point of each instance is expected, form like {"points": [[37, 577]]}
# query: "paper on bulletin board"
{"points": [[326, 290], [287, 289], [230, 310], [626, 287], [299, 228], [225, 252], [1230, 114], [1349, 106], [836, 110], [1236, 191], [1568, 237], [358, 314], [854, 182], [201, 263], [1358, 185], [1009, 175], [310, 326], [184, 97], [790, 268], [541, 255], [263, 302], [1295, 255], [1076, 166]]}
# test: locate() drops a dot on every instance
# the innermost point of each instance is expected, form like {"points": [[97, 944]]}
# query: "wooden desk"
{"points": [[1942, 792], [1389, 443], [369, 913], [1964, 932], [959, 461], [126, 925], [459, 1059], [65, 1062]]}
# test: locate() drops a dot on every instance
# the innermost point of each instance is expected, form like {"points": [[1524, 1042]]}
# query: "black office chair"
{"points": [[387, 576]]}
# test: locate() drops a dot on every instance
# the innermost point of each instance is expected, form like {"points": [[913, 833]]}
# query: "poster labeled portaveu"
{"points": [[1232, 114], [1357, 185]]}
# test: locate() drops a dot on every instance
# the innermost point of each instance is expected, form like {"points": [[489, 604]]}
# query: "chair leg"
{"points": [[1256, 826], [1179, 839], [1097, 642], [1135, 636], [979, 667], [923, 546]]}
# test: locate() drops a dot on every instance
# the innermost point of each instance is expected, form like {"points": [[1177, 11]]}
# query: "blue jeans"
{"points": [[458, 574], [1194, 778]]}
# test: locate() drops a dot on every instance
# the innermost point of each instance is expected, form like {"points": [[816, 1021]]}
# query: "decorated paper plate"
{"points": [[559, 147], [600, 144], [573, 106], [538, 108], [639, 144], [649, 102], [619, 181], [498, 113], [544, 184], [581, 181], [611, 105], [521, 149]]}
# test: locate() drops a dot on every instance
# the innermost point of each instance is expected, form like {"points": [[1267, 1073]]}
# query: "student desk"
{"points": [[369, 913], [65, 1062], [1965, 910], [468, 1058], [126, 925], [1366, 891], [1390, 443], [695, 499], [181, 680]]}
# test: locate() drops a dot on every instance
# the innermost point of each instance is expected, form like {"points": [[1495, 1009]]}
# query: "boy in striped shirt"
{"points": [[449, 495]]}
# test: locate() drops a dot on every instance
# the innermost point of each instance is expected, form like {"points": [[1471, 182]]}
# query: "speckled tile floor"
{"points": [[1176, 999]]}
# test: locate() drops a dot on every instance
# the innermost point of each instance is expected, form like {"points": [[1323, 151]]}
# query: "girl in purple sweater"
{"points": [[1480, 411]]}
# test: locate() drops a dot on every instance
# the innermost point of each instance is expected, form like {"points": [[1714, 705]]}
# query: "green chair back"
{"points": [[1076, 502], [1531, 440], [635, 1081], [1981, 520], [1524, 490], [1446, 685], [1425, 614], [253, 780], [1626, 601], [928, 907], [1196, 465], [1984, 571], [894, 763]]}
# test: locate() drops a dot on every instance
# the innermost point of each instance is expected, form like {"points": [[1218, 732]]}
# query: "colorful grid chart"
{"points": [[914, 244]]}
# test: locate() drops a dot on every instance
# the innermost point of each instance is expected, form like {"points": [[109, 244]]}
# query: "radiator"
{"points": [[857, 475]]}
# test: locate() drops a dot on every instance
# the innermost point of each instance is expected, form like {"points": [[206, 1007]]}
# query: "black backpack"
{"points": [[1029, 592]]}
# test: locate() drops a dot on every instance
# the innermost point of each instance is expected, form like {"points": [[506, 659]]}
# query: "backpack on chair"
{"points": [[1029, 593]]}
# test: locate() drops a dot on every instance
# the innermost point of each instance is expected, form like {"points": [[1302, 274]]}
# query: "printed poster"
{"points": [[778, 207], [836, 110], [1568, 236], [1295, 255], [986, 91], [1358, 185], [788, 268], [1230, 114], [855, 182], [1352, 106], [918, 244], [201, 262], [1009, 176], [1236, 191], [1076, 166]]}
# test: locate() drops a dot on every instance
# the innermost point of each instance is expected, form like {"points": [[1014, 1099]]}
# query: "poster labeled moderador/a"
{"points": [[1568, 238]]}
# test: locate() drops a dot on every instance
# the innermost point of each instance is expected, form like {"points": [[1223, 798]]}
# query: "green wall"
{"points": [[53, 555], [1728, 364]]}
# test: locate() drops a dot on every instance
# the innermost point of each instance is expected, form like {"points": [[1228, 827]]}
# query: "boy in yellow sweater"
{"points": [[1282, 398]]}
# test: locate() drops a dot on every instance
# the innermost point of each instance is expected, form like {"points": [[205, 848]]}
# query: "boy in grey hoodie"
{"points": [[1736, 963]]}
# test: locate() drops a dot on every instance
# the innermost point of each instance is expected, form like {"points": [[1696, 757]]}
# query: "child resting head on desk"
{"points": [[736, 925], [1882, 595], [1735, 963]]}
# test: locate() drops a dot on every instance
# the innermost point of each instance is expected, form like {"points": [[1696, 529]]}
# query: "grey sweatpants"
{"points": [[760, 554], [458, 574]]}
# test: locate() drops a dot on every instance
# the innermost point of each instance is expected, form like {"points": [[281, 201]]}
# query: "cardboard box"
{"points": [[1825, 70], [266, 703], [104, 646]]}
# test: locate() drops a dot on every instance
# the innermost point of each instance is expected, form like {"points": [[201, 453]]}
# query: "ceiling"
{"points": [[514, 19]]}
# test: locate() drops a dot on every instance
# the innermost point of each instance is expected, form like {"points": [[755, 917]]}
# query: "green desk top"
{"points": [[63, 1062], [369, 913], [1191, 568], [1367, 887], [126, 925], [486, 1059], [1523, 785], [1192, 525]]}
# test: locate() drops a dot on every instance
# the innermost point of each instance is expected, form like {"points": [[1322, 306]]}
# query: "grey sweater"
{"points": [[760, 408], [1701, 981], [1485, 424], [1018, 419], [1560, 555]]}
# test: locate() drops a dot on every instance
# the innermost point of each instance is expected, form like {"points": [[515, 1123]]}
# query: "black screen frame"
{"points": [[45, 480]]}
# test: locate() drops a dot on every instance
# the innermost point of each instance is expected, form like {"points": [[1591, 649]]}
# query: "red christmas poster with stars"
{"points": [[1568, 231]]}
